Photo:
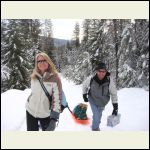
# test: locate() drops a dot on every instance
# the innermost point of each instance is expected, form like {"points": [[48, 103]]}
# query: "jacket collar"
{"points": [[45, 76], [105, 79]]}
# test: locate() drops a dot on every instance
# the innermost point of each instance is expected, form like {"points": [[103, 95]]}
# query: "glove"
{"points": [[85, 98], [52, 125], [115, 111]]}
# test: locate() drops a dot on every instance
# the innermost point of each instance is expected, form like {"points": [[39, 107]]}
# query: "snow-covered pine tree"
{"points": [[72, 52], [83, 68], [112, 40], [91, 50], [124, 48], [74, 43], [4, 68], [68, 68], [17, 43], [61, 57], [76, 33], [46, 39], [126, 70], [141, 34], [95, 42], [84, 41]]}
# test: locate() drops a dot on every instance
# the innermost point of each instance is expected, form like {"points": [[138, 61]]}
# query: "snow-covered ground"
{"points": [[133, 107]]}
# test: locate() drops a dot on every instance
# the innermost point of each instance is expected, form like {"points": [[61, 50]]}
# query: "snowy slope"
{"points": [[133, 107]]}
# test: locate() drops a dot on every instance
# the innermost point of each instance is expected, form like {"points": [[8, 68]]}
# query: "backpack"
{"points": [[64, 103]]}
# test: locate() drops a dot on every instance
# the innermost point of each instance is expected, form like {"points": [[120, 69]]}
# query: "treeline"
{"points": [[21, 39], [123, 44]]}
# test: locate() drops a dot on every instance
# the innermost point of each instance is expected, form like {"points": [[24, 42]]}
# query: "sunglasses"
{"points": [[100, 71], [41, 61]]}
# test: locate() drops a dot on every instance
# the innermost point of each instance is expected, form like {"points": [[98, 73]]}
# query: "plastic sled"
{"points": [[79, 121]]}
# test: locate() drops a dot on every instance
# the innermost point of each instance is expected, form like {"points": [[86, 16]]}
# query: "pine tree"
{"points": [[75, 44], [17, 43], [112, 46], [4, 68], [86, 34], [121, 44], [76, 33], [142, 51], [126, 71], [95, 43], [46, 40]]}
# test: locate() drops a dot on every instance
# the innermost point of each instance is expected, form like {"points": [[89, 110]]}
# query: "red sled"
{"points": [[76, 118], [79, 121]]}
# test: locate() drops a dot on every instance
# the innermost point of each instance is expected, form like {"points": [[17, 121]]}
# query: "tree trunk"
{"points": [[116, 49]]}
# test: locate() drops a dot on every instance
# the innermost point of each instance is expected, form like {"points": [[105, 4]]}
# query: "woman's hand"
{"points": [[52, 125]]}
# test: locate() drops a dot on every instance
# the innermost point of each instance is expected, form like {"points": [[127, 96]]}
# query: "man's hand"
{"points": [[115, 110]]}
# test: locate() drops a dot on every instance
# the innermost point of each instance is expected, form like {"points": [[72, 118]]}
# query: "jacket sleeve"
{"points": [[57, 97], [113, 91], [86, 85]]}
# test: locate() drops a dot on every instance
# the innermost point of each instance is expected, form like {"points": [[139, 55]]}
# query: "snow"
{"points": [[15, 47], [140, 76], [133, 107], [143, 56], [21, 59], [126, 30], [4, 72], [97, 53], [144, 63]]}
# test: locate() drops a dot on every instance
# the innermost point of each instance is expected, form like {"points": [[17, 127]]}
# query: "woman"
{"points": [[38, 106]]}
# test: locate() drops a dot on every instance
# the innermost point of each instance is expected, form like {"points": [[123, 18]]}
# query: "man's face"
{"points": [[101, 73]]}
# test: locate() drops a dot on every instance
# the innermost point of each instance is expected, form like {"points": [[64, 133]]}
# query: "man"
{"points": [[97, 91]]}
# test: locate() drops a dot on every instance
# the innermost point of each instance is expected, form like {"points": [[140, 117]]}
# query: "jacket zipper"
{"points": [[102, 90]]}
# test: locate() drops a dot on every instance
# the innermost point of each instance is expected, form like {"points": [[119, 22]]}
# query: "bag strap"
{"points": [[69, 109], [48, 95], [45, 90], [91, 80]]}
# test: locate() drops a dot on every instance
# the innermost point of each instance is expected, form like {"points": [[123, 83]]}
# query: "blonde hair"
{"points": [[52, 69]]}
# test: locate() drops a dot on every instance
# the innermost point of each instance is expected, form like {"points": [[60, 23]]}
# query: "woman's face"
{"points": [[42, 64]]}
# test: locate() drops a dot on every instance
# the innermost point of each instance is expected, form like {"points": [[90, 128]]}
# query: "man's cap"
{"points": [[100, 65]]}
